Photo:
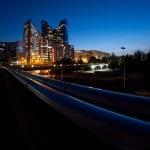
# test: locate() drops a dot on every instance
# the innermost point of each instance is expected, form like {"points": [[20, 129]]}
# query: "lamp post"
{"points": [[124, 85]]}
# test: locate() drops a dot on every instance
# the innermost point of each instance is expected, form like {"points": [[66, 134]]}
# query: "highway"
{"points": [[27, 123]]}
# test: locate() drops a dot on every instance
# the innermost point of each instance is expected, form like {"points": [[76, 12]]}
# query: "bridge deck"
{"points": [[28, 123]]}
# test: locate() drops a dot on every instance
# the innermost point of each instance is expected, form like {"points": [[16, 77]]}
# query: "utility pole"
{"points": [[124, 76], [61, 71]]}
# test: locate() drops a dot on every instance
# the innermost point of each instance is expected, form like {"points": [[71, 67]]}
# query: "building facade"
{"points": [[11, 52], [47, 46], [31, 39], [46, 43], [85, 55]]}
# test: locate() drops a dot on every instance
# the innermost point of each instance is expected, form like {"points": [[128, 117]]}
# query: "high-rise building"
{"points": [[46, 42], [29, 39], [54, 43], [47, 46], [64, 34], [62, 40]]}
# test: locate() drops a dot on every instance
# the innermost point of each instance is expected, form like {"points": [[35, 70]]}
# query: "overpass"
{"points": [[50, 114]]}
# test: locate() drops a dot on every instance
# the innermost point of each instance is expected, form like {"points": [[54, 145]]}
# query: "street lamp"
{"points": [[123, 48]]}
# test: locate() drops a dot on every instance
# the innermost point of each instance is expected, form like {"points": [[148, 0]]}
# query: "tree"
{"points": [[92, 59], [113, 62], [138, 59]]}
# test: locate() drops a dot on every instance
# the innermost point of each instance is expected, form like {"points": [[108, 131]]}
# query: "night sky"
{"points": [[105, 25]]}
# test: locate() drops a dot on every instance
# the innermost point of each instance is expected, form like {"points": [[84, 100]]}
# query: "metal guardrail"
{"points": [[128, 104], [122, 131]]}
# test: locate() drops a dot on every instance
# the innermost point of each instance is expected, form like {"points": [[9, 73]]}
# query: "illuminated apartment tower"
{"points": [[47, 46], [29, 39], [46, 43], [63, 49], [61, 39], [54, 43]]}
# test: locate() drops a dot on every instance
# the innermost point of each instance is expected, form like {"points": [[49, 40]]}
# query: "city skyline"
{"points": [[104, 25]]}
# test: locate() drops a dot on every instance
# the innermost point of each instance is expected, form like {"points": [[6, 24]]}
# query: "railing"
{"points": [[125, 132], [128, 104]]}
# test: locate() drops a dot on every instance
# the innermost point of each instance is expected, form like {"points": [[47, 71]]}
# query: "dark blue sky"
{"points": [[104, 25]]}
